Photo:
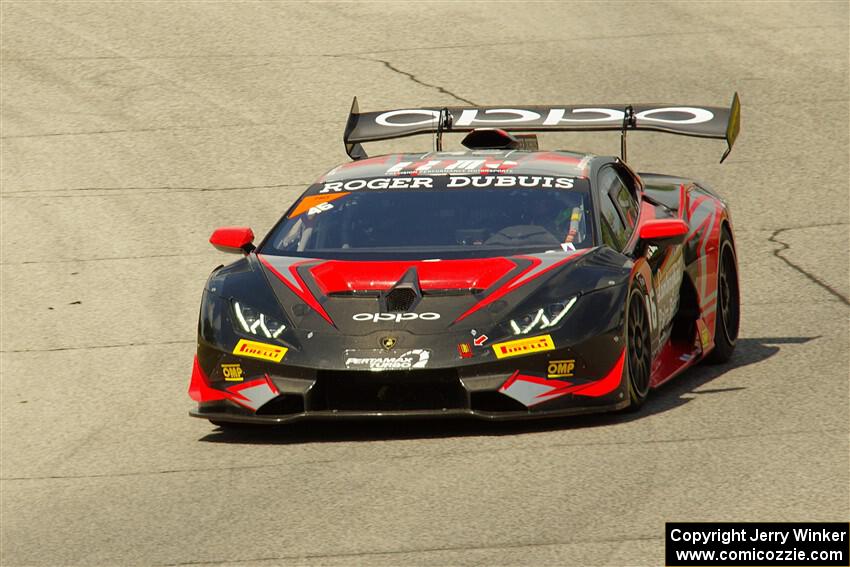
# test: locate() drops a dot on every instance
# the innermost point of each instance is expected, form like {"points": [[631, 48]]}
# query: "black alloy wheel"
{"points": [[728, 303], [639, 347]]}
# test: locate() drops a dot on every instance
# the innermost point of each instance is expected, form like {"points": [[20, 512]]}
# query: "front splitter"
{"points": [[406, 414]]}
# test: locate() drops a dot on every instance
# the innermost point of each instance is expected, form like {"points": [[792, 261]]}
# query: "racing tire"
{"points": [[728, 316], [638, 347]]}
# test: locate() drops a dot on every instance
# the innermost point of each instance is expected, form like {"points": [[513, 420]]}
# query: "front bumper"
{"points": [[274, 394]]}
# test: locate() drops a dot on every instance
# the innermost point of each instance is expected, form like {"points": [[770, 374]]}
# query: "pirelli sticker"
{"points": [[262, 351], [521, 347]]}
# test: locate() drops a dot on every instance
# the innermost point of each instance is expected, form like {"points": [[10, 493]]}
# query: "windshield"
{"points": [[433, 217]]}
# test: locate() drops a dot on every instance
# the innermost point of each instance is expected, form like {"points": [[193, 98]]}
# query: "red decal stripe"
{"points": [[199, 386], [696, 203], [338, 275], [201, 391], [519, 281], [607, 384], [236, 390], [303, 292]]}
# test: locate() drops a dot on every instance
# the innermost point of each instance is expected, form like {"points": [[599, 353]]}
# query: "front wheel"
{"points": [[639, 353]]}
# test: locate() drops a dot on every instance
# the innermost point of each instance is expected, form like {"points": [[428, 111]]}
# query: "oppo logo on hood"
{"points": [[395, 317]]}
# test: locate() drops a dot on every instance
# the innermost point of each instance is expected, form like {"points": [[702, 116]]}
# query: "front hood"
{"points": [[353, 297]]}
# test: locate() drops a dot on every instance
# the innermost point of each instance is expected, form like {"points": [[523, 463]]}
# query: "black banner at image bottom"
{"points": [[767, 544]]}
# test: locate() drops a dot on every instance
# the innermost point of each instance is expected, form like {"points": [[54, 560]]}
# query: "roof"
{"points": [[490, 162]]}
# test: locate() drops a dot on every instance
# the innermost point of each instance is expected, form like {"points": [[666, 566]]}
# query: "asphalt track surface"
{"points": [[130, 131]]}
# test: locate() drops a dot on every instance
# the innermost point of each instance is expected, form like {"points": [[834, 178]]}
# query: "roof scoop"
{"points": [[404, 295], [498, 139]]}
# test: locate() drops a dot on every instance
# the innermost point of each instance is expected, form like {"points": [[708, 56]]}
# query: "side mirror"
{"points": [[664, 232], [233, 239]]}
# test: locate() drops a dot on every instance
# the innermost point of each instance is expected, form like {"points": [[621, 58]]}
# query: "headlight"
{"points": [[542, 319], [251, 321]]}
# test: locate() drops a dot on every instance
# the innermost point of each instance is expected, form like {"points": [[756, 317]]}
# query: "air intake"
{"points": [[405, 294], [496, 138], [401, 299]]}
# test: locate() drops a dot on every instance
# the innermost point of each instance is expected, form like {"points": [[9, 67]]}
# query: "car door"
{"points": [[619, 208], [667, 266]]}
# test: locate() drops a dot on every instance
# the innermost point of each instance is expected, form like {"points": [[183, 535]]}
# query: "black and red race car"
{"points": [[498, 282]]}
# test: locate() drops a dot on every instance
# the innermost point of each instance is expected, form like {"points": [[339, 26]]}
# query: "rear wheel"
{"points": [[639, 347], [728, 315]]}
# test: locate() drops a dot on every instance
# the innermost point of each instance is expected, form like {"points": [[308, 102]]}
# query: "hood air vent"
{"points": [[405, 294], [401, 299]]}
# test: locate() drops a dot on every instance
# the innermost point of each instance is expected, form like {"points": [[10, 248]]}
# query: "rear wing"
{"points": [[697, 121]]}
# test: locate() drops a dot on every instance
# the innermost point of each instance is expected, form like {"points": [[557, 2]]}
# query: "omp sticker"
{"points": [[560, 368], [262, 351], [232, 372], [520, 347]]}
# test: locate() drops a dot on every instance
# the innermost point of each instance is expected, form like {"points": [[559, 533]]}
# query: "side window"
{"points": [[619, 208], [627, 202], [614, 231]]}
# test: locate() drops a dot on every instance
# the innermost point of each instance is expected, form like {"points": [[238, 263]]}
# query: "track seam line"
{"points": [[120, 345], [448, 454], [420, 550], [163, 188], [809, 276], [418, 81], [105, 259]]}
